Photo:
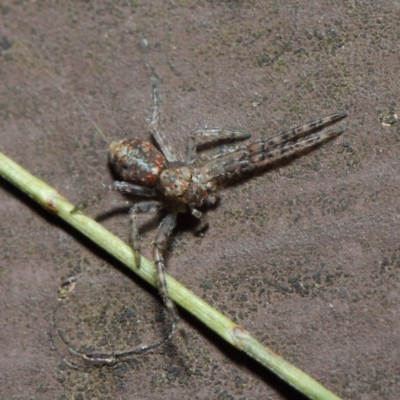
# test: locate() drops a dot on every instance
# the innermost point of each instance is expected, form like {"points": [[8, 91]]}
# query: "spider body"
{"points": [[178, 186]]}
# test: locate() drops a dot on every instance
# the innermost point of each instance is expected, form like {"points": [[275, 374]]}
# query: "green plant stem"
{"points": [[52, 201]]}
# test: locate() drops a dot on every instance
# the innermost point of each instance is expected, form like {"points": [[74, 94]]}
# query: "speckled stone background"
{"points": [[305, 256]]}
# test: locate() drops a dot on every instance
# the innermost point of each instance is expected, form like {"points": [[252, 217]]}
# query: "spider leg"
{"points": [[195, 212], [150, 206], [300, 131], [258, 158], [264, 152], [99, 358], [134, 190], [201, 217], [160, 244], [124, 187], [154, 124], [213, 133]]}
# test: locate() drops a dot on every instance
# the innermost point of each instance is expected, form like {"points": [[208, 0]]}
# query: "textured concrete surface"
{"points": [[305, 256]]}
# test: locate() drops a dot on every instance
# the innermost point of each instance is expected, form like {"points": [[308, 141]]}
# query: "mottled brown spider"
{"points": [[179, 186]]}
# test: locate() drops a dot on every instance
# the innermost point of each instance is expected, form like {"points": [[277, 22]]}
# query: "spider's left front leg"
{"points": [[160, 244]]}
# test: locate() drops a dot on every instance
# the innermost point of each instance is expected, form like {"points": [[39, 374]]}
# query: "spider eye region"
{"points": [[136, 161]]}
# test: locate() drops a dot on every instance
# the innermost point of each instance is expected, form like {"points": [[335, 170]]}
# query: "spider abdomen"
{"points": [[136, 161]]}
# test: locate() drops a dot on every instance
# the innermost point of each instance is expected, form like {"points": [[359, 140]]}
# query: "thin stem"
{"points": [[52, 201]]}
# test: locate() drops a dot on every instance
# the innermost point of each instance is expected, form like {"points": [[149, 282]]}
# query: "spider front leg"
{"points": [[269, 150], [212, 133], [160, 244], [150, 206]]}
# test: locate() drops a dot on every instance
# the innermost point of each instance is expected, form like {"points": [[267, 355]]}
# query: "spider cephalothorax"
{"points": [[183, 183]]}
